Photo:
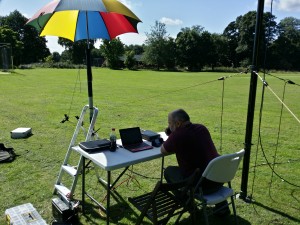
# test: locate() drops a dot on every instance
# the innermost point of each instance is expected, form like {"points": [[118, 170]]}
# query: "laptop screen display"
{"points": [[131, 136]]}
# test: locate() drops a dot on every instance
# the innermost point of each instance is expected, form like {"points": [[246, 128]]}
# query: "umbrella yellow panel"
{"points": [[118, 7], [62, 24]]}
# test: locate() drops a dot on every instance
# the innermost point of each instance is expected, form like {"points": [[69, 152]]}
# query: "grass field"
{"points": [[39, 98]]}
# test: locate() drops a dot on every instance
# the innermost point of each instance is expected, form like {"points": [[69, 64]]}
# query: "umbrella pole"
{"points": [[89, 80], [89, 69]]}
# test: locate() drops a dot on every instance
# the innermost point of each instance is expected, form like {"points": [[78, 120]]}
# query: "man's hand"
{"points": [[168, 131], [163, 150]]}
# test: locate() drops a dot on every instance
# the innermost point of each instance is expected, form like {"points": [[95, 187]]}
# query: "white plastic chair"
{"points": [[221, 169]]}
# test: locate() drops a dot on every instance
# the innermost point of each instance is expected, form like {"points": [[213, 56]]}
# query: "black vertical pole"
{"points": [[89, 80], [89, 69], [251, 100]]}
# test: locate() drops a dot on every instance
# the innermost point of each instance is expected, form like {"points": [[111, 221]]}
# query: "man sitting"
{"points": [[194, 149]]}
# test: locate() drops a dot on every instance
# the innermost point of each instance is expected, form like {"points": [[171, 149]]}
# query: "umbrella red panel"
{"points": [[117, 24]]}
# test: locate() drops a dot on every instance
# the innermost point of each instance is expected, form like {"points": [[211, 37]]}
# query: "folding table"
{"points": [[110, 161]]}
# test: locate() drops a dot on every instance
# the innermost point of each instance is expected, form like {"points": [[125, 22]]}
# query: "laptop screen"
{"points": [[131, 136]]}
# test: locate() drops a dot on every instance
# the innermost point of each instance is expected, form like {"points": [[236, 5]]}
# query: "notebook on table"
{"points": [[132, 139]]}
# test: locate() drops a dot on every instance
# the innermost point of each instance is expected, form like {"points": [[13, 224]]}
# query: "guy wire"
{"points": [[184, 88], [267, 85]]}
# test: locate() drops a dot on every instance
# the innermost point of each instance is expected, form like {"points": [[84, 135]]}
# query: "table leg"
{"points": [[108, 198], [83, 185]]}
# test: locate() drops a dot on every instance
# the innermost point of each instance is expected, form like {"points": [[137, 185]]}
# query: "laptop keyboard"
{"points": [[138, 147]]}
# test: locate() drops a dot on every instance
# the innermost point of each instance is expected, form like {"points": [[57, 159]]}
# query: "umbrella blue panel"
{"points": [[96, 26]]}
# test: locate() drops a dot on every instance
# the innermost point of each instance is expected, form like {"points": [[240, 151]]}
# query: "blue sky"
{"points": [[213, 15]]}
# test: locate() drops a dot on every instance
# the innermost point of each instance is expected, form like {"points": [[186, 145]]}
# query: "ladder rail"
{"points": [[76, 132], [67, 193]]}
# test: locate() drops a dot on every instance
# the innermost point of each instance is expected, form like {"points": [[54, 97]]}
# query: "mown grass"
{"points": [[39, 98]]}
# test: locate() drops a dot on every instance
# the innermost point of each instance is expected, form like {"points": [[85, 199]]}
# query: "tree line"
{"points": [[193, 49]]}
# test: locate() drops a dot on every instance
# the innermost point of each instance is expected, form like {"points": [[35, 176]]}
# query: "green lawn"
{"points": [[39, 98]]}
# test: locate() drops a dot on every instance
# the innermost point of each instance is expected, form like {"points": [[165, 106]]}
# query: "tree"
{"points": [[33, 47], [56, 56], [188, 44], [138, 49], [112, 51], [97, 58], [231, 34], [129, 59], [66, 56], [7, 35], [289, 27], [77, 50], [220, 51], [169, 54], [242, 32], [284, 52], [155, 45]]}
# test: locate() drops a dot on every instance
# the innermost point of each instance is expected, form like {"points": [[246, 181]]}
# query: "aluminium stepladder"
{"points": [[64, 192]]}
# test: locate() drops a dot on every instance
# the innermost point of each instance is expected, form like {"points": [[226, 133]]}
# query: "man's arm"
{"points": [[163, 150]]}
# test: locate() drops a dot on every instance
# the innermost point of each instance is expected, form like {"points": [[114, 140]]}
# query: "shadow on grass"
{"points": [[118, 212], [123, 214], [285, 215], [228, 220]]}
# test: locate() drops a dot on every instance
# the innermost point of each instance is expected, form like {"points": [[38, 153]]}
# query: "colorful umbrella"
{"points": [[85, 19]]}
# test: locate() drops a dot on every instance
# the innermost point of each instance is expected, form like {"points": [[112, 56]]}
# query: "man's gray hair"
{"points": [[180, 115]]}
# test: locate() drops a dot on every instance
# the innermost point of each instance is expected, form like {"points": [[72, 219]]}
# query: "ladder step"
{"points": [[64, 191], [70, 170]]}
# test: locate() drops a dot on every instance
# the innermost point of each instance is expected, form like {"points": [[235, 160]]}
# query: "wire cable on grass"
{"points": [[277, 140], [222, 111], [259, 141], [277, 163]]}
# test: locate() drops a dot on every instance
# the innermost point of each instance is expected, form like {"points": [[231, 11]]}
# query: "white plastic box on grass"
{"points": [[21, 132], [24, 214]]}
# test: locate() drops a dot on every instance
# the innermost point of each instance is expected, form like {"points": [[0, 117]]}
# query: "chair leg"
{"points": [[205, 214], [234, 210]]}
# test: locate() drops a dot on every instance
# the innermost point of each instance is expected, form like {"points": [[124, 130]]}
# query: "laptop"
{"points": [[132, 139]]}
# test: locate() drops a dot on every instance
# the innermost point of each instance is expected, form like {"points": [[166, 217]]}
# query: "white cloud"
{"points": [[287, 5], [53, 45], [133, 38], [172, 22], [127, 39]]}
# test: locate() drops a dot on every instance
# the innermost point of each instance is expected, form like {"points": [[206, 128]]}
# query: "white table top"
{"points": [[121, 158]]}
